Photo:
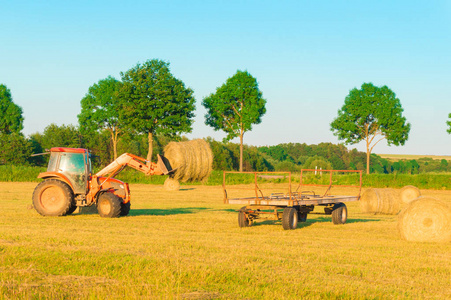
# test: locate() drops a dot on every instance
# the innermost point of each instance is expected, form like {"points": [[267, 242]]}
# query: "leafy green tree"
{"points": [[154, 102], [317, 162], [11, 119], [443, 165], [16, 149], [449, 124], [371, 114], [99, 110], [235, 106], [59, 136]]}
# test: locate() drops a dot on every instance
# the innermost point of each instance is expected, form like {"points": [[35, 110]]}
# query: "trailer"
{"points": [[282, 201]]}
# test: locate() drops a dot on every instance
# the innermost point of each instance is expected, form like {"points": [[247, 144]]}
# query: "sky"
{"points": [[306, 56]]}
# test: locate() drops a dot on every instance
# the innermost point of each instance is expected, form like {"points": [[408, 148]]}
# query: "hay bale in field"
{"points": [[171, 184], [193, 160], [425, 220], [380, 201], [409, 193]]}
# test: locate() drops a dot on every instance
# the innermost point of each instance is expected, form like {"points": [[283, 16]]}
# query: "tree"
{"points": [[154, 102], [16, 149], [235, 106], [99, 110], [59, 136], [449, 124], [371, 114], [11, 119]]}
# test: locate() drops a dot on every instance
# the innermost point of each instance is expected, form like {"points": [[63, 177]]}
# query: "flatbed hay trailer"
{"points": [[289, 206]]}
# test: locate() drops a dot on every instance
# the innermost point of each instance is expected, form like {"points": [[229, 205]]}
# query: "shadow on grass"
{"points": [[166, 212], [310, 222]]}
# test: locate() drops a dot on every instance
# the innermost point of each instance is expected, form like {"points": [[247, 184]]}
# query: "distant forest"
{"points": [[17, 150]]}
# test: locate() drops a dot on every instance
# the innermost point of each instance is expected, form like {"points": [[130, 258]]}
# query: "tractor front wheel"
{"points": [[52, 197], [109, 205], [125, 209]]}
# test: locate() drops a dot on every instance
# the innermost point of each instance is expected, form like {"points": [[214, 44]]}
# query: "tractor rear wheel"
{"points": [[109, 205], [52, 197], [72, 208]]}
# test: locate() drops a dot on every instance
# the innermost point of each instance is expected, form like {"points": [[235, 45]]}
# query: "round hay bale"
{"points": [[409, 193], [192, 160], [425, 220], [171, 184], [380, 201], [368, 201]]}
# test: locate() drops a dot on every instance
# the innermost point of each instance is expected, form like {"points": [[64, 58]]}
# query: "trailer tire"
{"points": [[339, 213], [302, 217], [109, 205], [243, 220], [290, 218], [52, 197], [125, 209]]}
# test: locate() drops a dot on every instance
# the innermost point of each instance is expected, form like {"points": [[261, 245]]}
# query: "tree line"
{"points": [[290, 157], [149, 107]]}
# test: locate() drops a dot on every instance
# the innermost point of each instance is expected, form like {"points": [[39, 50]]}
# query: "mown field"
{"points": [[187, 245], [396, 157]]}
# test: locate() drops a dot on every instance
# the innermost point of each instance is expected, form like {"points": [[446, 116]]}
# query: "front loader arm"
{"points": [[137, 163]]}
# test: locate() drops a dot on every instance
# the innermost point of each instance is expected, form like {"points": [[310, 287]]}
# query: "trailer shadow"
{"points": [[310, 222], [166, 212]]}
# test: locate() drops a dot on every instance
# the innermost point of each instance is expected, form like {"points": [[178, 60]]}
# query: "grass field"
{"points": [[187, 245]]}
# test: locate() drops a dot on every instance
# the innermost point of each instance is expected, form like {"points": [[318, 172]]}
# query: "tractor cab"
{"points": [[73, 165]]}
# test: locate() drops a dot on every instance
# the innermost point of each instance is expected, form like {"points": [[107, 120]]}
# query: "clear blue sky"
{"points": [[306, 55]]}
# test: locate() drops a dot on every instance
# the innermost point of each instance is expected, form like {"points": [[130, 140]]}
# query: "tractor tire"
{"points": [[72, 208], [109, 205], [339, 213], [290, 218], [243, 221], [125, 209], [53, 197]]}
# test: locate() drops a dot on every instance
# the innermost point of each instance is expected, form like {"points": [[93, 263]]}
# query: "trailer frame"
{"points": [[292, 206]]}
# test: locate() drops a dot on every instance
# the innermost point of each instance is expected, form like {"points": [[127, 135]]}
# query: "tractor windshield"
{"points": [[73, 166]]}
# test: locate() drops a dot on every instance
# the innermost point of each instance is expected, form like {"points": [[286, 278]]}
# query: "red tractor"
{"points": [[69, 183]]}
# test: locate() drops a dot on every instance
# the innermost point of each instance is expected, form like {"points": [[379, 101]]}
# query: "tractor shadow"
{"points": [[166, 212]]}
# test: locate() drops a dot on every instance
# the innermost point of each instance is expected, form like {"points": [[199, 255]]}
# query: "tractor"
{"points": [[69, 183]]}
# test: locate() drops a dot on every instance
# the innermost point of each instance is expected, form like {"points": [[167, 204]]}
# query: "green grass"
{"points": [[423, 181], [187, 245]]}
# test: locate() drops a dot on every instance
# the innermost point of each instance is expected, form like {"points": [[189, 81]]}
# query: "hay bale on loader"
{"points": [[409, 193], [380, 201], [192, 161], [425, 220]]}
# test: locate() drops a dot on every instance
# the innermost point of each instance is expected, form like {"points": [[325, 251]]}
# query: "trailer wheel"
{"points": [[125, 209], [109, 205], [243, 220], [339, 213], [52, 197], [302, 217], [290, 218]]}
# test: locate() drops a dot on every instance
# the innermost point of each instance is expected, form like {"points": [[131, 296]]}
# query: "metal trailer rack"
{"points": [[291, 206]]}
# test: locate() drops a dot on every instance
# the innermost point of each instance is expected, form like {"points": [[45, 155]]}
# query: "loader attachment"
{"points": [[164, 165]]}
